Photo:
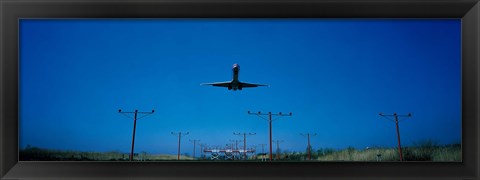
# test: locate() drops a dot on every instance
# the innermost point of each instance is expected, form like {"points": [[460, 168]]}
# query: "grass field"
{"points": [[425, 151], [39, 154], [390, 154]]}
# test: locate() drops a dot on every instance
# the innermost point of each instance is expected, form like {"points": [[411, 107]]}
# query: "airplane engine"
{"points": [[229, 87], [239, 87]]}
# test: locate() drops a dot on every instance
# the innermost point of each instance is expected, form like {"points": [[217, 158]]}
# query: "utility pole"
{"points": [[278, 148], [259, 114], [194, 142], [244, 142], [398, 129], [263, 151], [135, 113], [308, 146], [179, 134]]}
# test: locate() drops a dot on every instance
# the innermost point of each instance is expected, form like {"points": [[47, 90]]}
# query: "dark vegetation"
{"points": [[421, 151]]}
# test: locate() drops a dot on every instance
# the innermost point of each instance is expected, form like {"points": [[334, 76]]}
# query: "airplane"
{"points": [[234, 83]]}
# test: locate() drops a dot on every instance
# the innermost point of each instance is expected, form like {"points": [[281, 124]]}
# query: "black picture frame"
{"points": [[12, 10]]}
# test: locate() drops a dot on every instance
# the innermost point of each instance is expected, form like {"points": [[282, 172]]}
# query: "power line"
{"points": [[179, 134], [259, 114], [135, 113], [244, 142], [308, 146], [398, 129]]}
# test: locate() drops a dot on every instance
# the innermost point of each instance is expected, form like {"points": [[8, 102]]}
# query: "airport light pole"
{"points": [[194, 143], [308, 146], [263, 151], [398, 129], [179, 134], [244, 142], [135, 114], [236, 146], [253, 149], [202, 145], [259, 114], [231, 146], [278, 148]]}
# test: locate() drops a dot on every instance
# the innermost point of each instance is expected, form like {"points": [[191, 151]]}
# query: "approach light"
{"points": [[119, 110], [280, 113], [409, 114], [258, 112], [153, 111], [290, 113], [248, 112]]}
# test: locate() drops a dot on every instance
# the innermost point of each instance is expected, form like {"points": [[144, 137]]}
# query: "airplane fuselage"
{"points": [[235, 82]]}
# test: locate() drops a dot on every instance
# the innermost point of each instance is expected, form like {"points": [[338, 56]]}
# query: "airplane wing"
{"points": [[220, 84], [246, 85]]}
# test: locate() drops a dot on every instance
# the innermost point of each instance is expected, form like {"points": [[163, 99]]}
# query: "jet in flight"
{"points": [[235, 83]]}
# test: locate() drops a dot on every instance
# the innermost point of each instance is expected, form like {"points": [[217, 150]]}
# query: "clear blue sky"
{"points": [[334, 75]]}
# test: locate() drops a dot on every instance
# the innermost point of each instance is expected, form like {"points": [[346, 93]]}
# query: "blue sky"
{"points": [[334, 75]]}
